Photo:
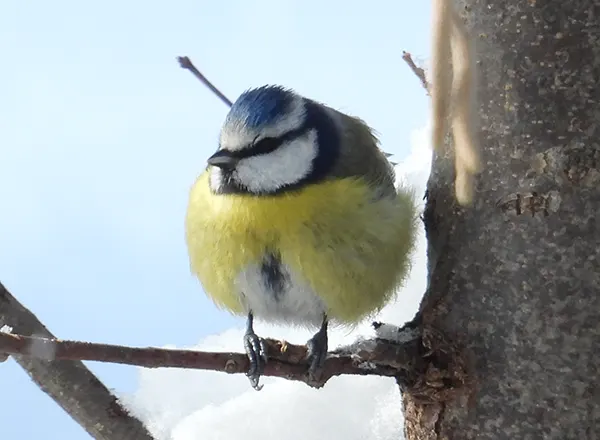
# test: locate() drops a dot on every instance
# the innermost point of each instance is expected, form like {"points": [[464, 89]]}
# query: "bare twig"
{"points": [[365, 357], [416, 69], [186, 63], [68, 382]]}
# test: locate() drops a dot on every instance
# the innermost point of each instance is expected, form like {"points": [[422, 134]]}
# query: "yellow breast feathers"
{"points": [[351, 250]]}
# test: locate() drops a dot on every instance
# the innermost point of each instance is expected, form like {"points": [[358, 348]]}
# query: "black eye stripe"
{"points": [[269, 144], [266, 145]]}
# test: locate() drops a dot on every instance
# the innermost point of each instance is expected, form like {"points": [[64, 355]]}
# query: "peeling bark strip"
{"points": [[515, 279], [70, 384]]}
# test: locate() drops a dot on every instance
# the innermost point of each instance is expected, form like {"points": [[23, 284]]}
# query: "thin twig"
{"points": [[365, 357], [416, 69], [186, 63]]}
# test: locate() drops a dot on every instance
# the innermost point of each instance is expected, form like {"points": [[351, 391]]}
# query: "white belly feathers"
{"points": [[273, 292]]}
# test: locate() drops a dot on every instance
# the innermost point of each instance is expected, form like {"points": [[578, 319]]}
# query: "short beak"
{"points": [[223, 159]]}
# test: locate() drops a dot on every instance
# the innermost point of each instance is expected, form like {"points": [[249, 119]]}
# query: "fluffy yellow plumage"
{"points": [[296, 220], [352, 250]]}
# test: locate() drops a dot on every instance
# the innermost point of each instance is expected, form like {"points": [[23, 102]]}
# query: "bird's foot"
{"points": [[256, 349], [317, 353], [284, 345]]}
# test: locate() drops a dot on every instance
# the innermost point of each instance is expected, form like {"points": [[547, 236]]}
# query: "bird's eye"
{"points": [[265, 145]]}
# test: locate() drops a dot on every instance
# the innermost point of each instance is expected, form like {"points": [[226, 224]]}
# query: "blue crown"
{"points": [[261, 106]]}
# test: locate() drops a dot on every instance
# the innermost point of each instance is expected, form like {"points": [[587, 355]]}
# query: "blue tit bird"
{"points": [[296, 220]]}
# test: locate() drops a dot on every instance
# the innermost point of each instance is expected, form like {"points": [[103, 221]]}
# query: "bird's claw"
{"points": [[256, 349], [316, 354]]}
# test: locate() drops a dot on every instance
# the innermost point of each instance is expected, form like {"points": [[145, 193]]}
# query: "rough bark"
{"points": [[70, 383], [515, 279]]}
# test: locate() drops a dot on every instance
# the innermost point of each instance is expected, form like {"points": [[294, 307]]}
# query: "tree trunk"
{"points": [[515, 279]]}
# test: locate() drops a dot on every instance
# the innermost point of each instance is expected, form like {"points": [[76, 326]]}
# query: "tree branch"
{"points": [[186, 63], [69, 383], [364, 357], [416, 70]]}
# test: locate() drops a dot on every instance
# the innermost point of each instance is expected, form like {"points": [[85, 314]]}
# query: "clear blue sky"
{"points": [[102, 134]]}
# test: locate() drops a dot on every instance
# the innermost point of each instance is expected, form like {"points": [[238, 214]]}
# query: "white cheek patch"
{"points": [[216, 178], [237, 135], [287, 165]]}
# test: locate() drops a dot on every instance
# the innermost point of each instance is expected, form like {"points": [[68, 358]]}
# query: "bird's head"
{"points": [[273, 140]]}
